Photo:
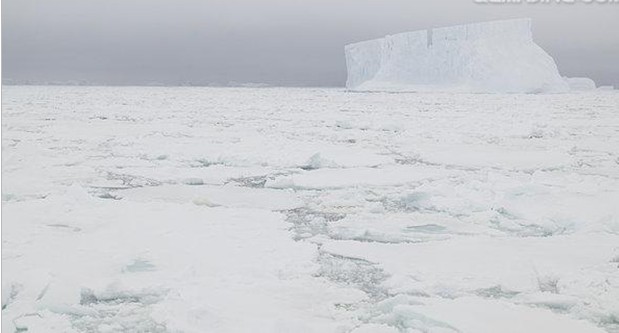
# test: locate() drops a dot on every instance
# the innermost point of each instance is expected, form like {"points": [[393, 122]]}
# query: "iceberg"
{"points": [[488, 57], [580, 83]]}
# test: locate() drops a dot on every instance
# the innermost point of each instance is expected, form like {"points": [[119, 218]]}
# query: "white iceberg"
{"points": [[494, 57], [580, 83]]}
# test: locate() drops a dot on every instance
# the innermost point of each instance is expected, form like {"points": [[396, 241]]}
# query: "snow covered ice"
{"points": [[309, 210], [497, 56]]}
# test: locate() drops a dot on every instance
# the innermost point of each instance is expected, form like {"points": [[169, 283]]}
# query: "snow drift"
{"points": [[496, 57]]}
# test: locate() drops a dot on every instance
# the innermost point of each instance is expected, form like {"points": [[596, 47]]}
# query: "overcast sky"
{"points": [[280, 42]]}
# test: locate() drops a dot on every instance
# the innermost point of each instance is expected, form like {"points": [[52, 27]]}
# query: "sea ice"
{"points": [[151, 209]]}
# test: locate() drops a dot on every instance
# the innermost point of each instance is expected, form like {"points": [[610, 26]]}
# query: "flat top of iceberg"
{"points": [[521, 23]]}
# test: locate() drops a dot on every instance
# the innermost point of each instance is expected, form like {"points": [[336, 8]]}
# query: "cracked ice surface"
{"points": [[308, 210]]}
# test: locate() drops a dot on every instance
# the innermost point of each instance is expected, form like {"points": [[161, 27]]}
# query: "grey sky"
{"points": [[281, 42]]}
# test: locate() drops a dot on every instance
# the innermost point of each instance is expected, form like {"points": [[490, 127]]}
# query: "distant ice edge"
{"points": [[488, 57]]}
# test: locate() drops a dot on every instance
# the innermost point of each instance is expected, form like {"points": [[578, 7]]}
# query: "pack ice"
{"points": [[229, 210], [489, 57]]}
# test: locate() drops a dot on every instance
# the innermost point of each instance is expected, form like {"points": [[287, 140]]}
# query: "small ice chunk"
{"points": [[317, 162]]}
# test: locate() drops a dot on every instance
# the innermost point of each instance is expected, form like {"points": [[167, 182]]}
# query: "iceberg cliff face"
{"points": [[497, 56]]}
